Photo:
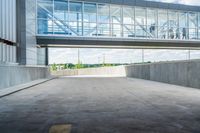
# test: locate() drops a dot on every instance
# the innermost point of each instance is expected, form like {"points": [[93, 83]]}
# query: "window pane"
{"points": [[104, 30], [199, 26], [192, 33], [90, 8], [45, 9], [103, 13], [151, 17], [173, 18], [140, 21], [140, 31], [129, 31], [183, 20], [140, 16], [116, 30], [115, 12], [192, 20], [162, 24], [75, 6], [61, 9], [90, 29], [45, 26], [75, 18], [128, 15], [152, 23], [90, 13]]}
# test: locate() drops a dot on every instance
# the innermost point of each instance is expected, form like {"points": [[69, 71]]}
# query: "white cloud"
{"points": [[187, 2]]}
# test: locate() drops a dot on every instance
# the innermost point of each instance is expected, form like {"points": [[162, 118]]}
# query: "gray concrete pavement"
{"points": [[102, 105]]}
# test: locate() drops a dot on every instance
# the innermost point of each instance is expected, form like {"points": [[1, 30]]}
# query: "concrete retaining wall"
{"points": [[184, 73], [15, 75], [109, 71]]}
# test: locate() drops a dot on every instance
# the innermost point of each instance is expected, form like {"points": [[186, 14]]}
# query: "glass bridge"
{"points": [[73, 18]]}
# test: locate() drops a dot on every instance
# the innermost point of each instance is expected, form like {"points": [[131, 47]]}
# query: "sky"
{"points": [[93, 56]]}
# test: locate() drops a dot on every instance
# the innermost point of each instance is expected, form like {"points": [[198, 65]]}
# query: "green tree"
{"points": [[54, 67]]}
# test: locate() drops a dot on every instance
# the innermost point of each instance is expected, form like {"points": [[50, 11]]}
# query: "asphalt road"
{"points": [[102, 105]]}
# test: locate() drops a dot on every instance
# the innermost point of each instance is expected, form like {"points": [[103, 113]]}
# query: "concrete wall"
{"points": [[184, 73], [7, 31], [109, 71], [28, 53], [15, 75]]}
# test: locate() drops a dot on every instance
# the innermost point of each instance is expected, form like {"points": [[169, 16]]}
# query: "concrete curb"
{"points": [[11, 90]]}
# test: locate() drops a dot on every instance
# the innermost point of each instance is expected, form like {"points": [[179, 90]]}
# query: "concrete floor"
{"points": [[102, 105]]}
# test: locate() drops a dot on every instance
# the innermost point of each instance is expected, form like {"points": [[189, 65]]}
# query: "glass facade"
{"points": [[77, 18]]}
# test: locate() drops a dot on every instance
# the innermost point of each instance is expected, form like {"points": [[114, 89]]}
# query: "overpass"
{"points": [[101, 105], [117, 24]]}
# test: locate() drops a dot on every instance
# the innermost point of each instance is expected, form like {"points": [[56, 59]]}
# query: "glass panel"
{"points": [[103, 30], [129, 31], [116, 30], [75, 6], [163, 24], [171, 32], [140, 32], [90, 29], [192, 20], [44, 9], [193, 24], [75, 17], [199, 26], [116, 20], [61, 9], [140, 21], [103, 13], [173, 18], [140, 16], [152, 23], [45, 26], [76, 27], [193, 34], [183, 20], [90, 13], [173, 25], [128, 15], [115, 13]]}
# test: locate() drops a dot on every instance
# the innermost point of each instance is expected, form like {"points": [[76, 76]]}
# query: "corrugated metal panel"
{"points": [[8, 30], [4, 53], [1, 18], [8, 20], [1, 51], [14, 30]]}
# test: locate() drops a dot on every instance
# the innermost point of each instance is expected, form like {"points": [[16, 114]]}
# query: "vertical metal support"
{"points": [[78, 56], [146, 21], [110, 25], [134, 22], [36, 17], [1, 51], [189, 54], [122, 21], [187, 28], [157, 36], [53, 28], [82, 13], [178, 25], [97, 19], [142, 55], [168, 24], [47, 56]]}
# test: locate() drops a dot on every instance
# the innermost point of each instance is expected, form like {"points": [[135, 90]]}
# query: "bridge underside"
{"points": [[94, 42]]}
